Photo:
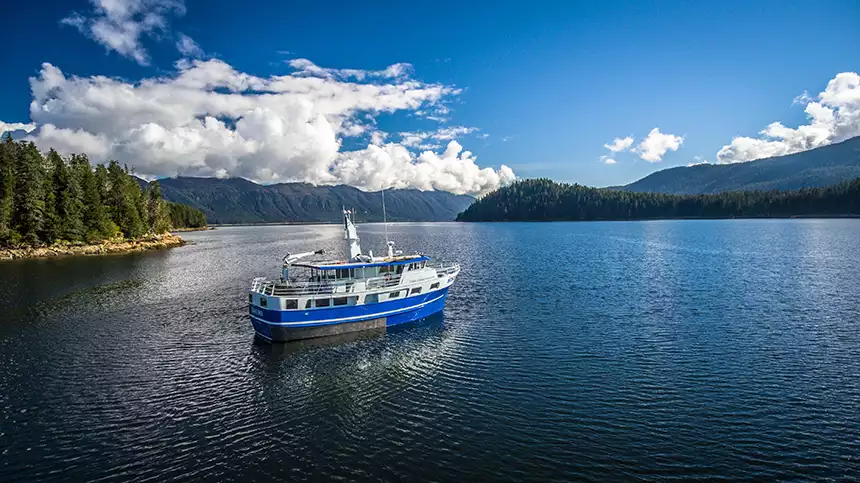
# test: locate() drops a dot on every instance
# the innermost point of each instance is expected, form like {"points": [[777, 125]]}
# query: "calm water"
{"points": [[601, 351]]}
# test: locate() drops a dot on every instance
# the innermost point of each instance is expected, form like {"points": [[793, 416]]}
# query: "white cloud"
{"points": [[305, 67], [607, 160], [119, 25], [697, 161], [16, 126], [188, 47], [393, 165], [619, 144], [420, 139], [208, 119], [656, 144], [834, 115]]}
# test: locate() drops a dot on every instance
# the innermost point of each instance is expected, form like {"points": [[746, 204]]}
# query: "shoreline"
{"points": [[149, 242], [185, 230], [676, 218]]}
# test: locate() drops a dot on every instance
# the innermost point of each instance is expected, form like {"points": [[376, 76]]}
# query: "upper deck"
{"points": [[346, 264]]}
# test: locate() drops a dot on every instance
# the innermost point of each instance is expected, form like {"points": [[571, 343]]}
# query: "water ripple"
{"points": [[600, 351]]}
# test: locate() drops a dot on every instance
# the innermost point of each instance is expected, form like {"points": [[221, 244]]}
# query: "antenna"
{"points": [[388, 243], [384, 217]]}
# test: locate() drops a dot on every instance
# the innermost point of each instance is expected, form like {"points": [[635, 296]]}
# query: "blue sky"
{"points": [[538, 86]]}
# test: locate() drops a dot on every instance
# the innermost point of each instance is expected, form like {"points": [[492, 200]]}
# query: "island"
{"points": [[546, 200], [53, 205]]}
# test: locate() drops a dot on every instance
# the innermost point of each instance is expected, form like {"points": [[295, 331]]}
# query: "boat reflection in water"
{"points": [[263, 347]]}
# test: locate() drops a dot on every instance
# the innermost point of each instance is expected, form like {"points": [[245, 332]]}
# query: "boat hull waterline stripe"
{"points": [[354, 318]]}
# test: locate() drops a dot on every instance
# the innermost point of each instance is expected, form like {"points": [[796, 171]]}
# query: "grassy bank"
{"points": [[149, 242]]}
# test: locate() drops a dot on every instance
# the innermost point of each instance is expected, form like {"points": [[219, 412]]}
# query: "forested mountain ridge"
{"points": [[818, 167], [237, 200], [45, 199], [545, 200]]}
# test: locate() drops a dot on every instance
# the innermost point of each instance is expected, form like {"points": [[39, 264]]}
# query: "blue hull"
{"points": [[286, 325]]}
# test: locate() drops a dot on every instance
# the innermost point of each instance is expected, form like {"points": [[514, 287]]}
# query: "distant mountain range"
{"points": [[814, 168], [237, 200]]}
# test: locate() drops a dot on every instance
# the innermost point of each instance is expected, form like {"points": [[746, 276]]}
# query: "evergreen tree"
{"points": [[545, 200], [67, 196], [97, 222], [45, 199], [184, 216], [49, 231], [29, 195], [157, 213], [124, 199], [8, 157]]}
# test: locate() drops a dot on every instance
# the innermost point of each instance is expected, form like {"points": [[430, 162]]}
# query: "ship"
{"points": [[330, 297]]}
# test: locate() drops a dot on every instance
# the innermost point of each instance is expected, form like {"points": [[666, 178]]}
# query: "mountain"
{"points": [[817, 167], [545, 200], [237, 200]]}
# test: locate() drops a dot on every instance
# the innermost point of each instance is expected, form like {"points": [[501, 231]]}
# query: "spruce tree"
{"points": [[67, 196], [157, 213], [29, 195], [124, 200], [97, 223], [8, 155], [49, 231]]}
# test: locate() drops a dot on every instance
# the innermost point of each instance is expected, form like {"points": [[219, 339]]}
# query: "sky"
{"points": [[457, 96]]}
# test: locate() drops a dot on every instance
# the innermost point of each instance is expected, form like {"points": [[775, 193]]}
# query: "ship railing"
{"points": [[297, 287], [445, 268], [384, 281], [300, 287]]}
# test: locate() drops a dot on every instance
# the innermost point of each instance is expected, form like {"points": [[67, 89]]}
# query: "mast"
{"points": [[388, 243], [351, 235]]}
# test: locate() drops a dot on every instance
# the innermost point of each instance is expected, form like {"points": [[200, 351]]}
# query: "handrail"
{"points": [[297, 287]]}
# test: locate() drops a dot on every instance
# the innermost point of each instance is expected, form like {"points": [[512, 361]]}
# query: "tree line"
{"points": [[48, 198], [546, 200]]}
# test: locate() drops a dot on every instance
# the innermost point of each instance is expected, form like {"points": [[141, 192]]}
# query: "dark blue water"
{"points": [[600, 351]]}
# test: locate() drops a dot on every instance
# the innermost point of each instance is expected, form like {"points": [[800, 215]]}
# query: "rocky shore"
{"points": [[150, 242]]}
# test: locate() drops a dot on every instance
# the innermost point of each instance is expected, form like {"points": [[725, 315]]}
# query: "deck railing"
{"points": [[298, 287]]}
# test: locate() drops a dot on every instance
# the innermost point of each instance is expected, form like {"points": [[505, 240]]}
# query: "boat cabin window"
{"points": [[251, 297], [339, 301], [323, 302], [400, 269], [415, 291], [291, 304], [309, 303], [263, 301], [394, 294], [435, 285], [345, 273], [371, 298]]}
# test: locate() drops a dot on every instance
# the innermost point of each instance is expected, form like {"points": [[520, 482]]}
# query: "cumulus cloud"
{"points": [[619, 144], [16, 126], [607, 160], [208, 119], [188, 47], [834, 115], [431, 139], [656, 144], [119, 25], [393, 165]]}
